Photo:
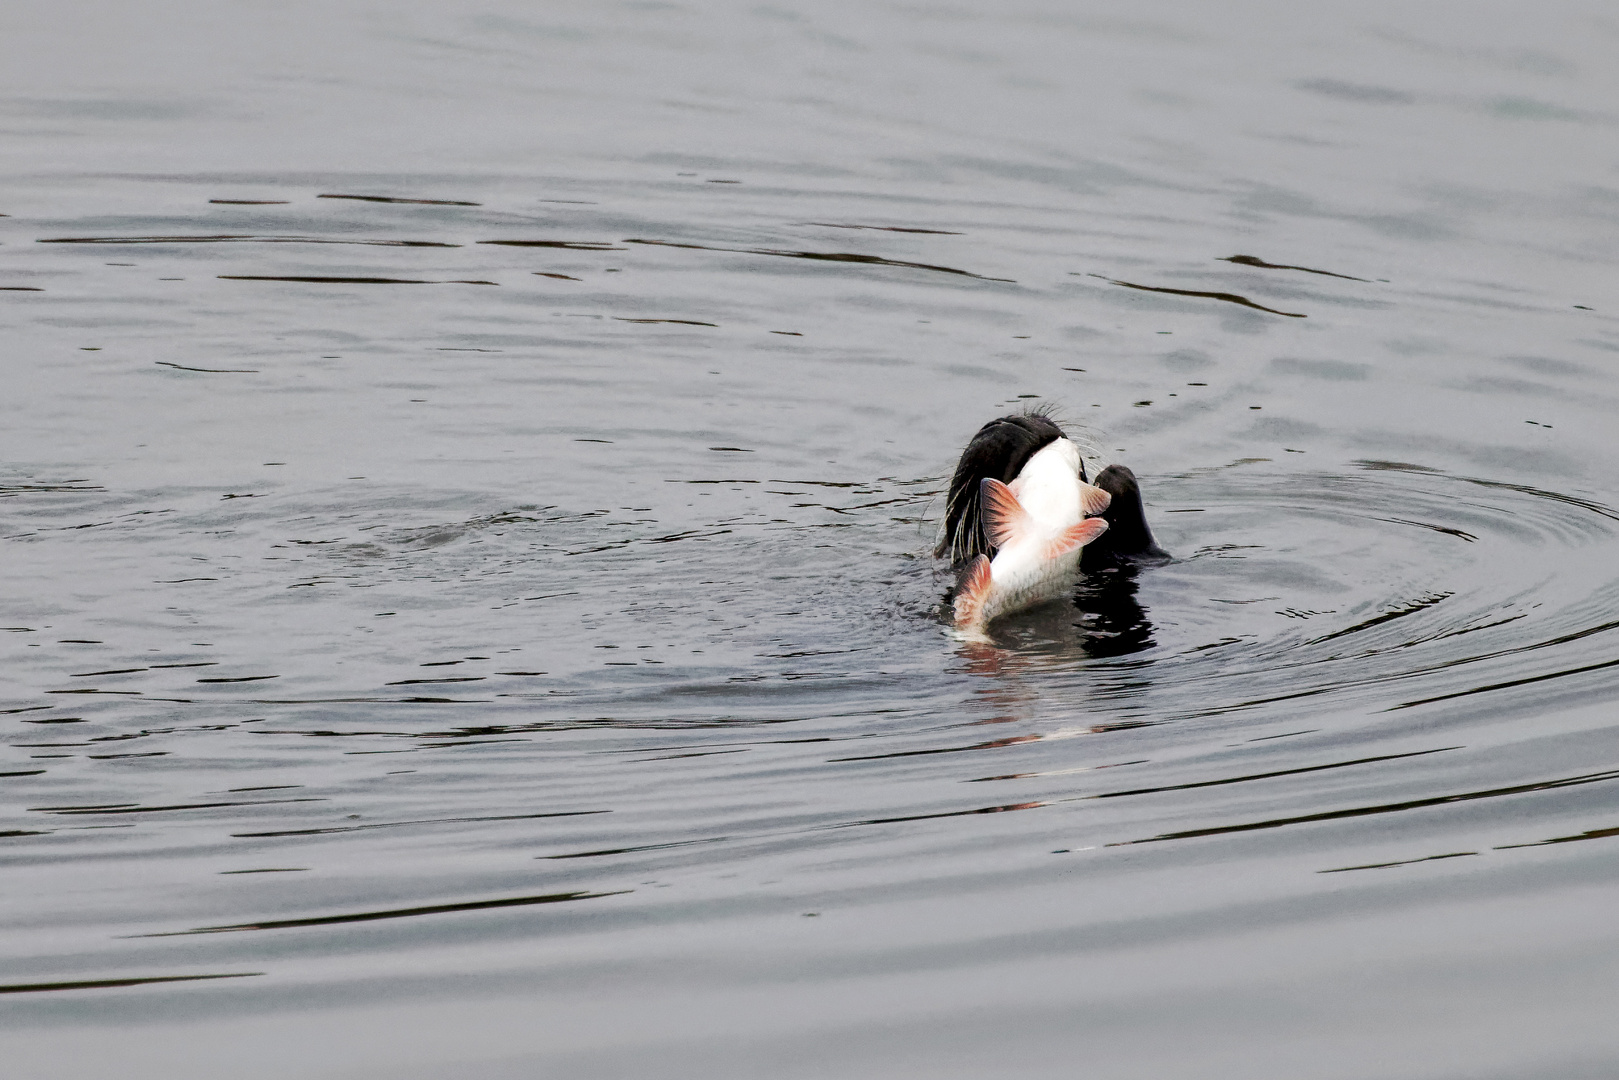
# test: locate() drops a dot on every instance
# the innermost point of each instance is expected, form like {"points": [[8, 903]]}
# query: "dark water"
{"points": [[467, 476]]}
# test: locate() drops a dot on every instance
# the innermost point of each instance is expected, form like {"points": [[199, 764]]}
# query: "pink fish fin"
{"points": [[1005, 520], [1074, 537], [1092, 499], [971, 592]]}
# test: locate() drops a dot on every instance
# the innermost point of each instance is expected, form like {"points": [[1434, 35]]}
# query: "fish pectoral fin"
{"points": [[1005, 520], [971, 592], [1075, 537], [1093, 500]]}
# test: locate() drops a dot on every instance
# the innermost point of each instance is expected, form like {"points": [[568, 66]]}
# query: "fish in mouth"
{"points": [[1020, 514]]}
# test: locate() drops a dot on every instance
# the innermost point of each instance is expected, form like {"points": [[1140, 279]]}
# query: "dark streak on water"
{"points": [[1230, 298], [117, 984], [211, 371], [394, 199], [568, 245], [820, 256], [402, 824], [885, 228], [1252, 260], [324, 280], [1390, 808], [229, 239], [399, 913], [682, 322]]}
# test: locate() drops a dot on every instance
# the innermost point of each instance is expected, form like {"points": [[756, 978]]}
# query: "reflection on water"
{"points": [[1227, 297], [1114, 621], [551, 674]]}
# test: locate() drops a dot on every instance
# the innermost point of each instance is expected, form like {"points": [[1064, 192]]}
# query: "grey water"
{"points": [[468, 478]]}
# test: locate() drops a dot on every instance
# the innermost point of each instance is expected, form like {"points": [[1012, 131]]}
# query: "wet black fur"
{"points": [[1127, 540], [999, 451]]}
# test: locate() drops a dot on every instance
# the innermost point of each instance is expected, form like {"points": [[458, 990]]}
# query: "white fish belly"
{"points": [[1048, 486], [1021, 581]]}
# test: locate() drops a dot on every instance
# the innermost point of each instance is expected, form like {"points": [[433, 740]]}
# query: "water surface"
{"points": [[467, 479]]}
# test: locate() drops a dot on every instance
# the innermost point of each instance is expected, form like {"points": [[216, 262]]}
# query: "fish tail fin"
{"points": [[971, 592], [1093, 500], [1075, 537], [1005, 520]]}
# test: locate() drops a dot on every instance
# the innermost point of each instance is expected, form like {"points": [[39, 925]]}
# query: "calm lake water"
{"points": [[467, 481]]}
